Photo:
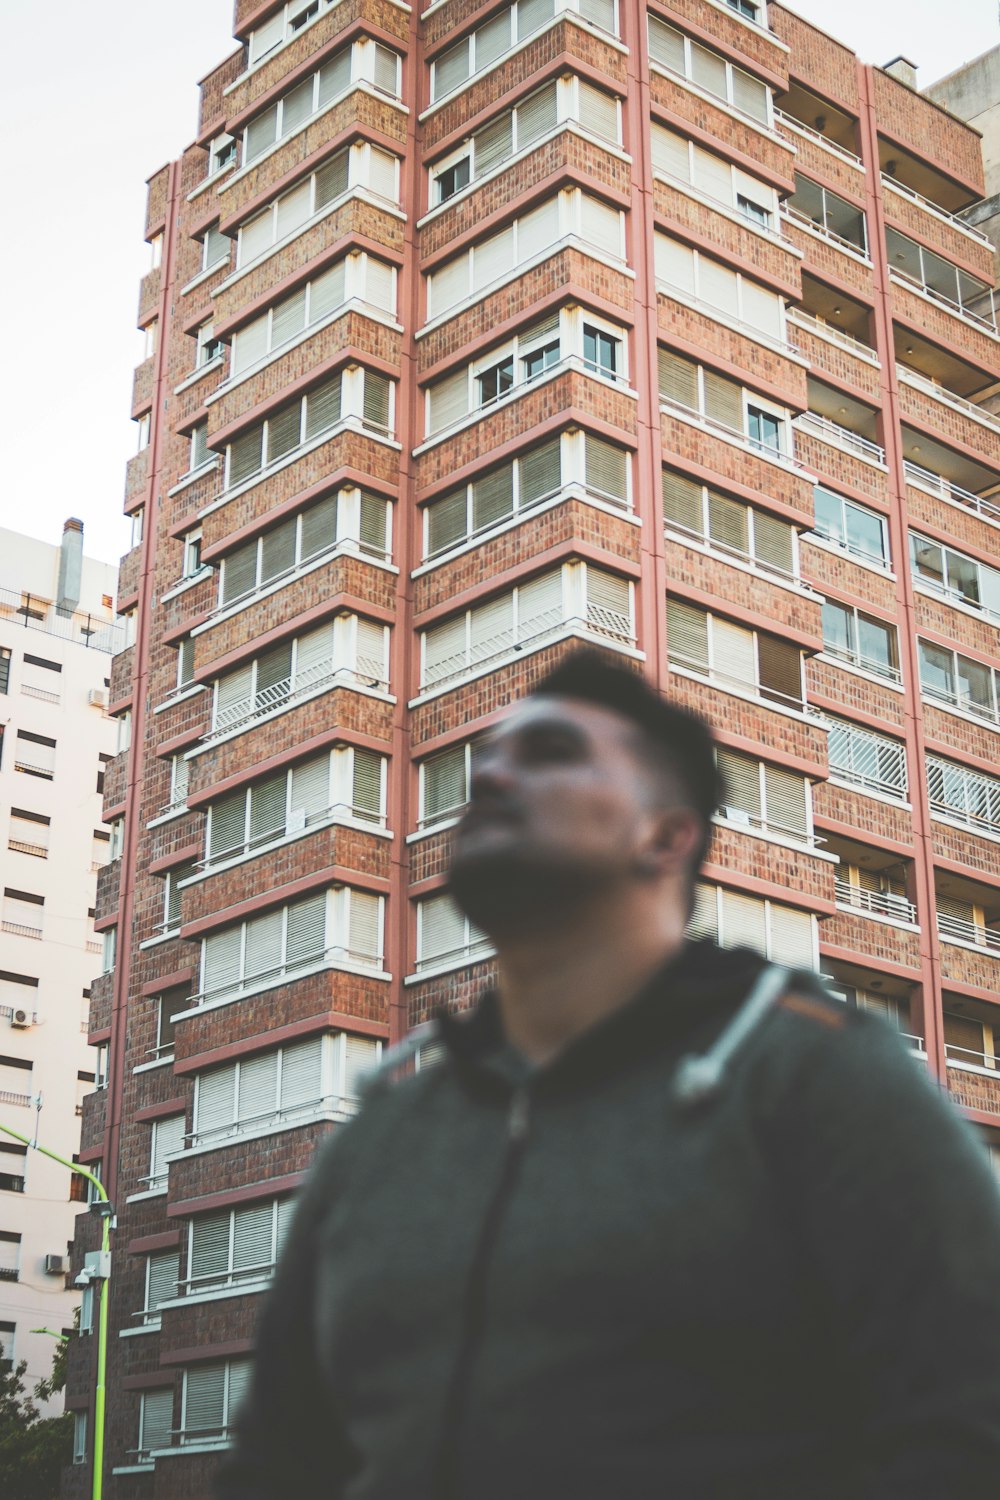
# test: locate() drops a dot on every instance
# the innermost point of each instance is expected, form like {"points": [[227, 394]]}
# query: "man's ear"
{"points": [[674, 837]]}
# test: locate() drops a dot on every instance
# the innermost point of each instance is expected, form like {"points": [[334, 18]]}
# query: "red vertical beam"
{"points": [[140, 699], [651, 614], [924, 890]]}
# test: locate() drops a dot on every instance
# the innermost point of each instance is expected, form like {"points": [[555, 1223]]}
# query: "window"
{"points": [[207, 346], [342, 926], [853, 527], [721, 401], [955, 575], [221, 154], [29, 832], [13, 1161], [149, 337], [167, 1138], [733, 656], [765, 429], [367, 62], [765, 797], [358, 277], [137, 517], [191, 564], [937, 277], [142, 430], [319, 1075], [733, 920], [488, 44], [727, 293], [361, 165], [949, 677], [444, 784], [878, 893], [79, 1437], [572, 213], [837, 218], [961, 795], [602, 351], [445, 936], [155, 252], [185, 663], [212, 1395], [679, 159], [354, 520], [346, 782], [108, 945], [865, 759], [162, 1274], [962, 921], [575, 597], [728, 526], [22, 912], [166, 1006], [860, 639], [353, 394], [4, 669], [101, 1065], [709, 71], [347, 649], [745, 8], [215, 248], [10, 1255], [236, 1246], [172, 895], [35, 755], [283, 26], [156, 1420]]}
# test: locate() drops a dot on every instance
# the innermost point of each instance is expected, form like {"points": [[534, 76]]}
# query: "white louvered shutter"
{"points": [[227, 825], [601, 226], [383, 174], [532, 14], [373, 652], [293, 209], [332, 179], [297, 106], [733, 652], [682, 502], [326, 293], [717, 285], [441, 930], [727, 523], [598, 112], [240, 1371], [723, 400], [741, 776], [713, 176], [204, 1400], [386, 70], [539, 472], [704, 922], [323, 407], [260, 134], [156, 1419], [451, 69], [367, 785], [267, 809], [493, 145], [491, 629], [239, 573], [444, 783], [666, 46], [318, 528], [448, 401], [374, 523], [222, 961], [334, 77], [262, 958], [161, 1285], [761, 309], [309, 799], [744, 922], [288, 318], [708, 70], [539, 605], [492, 40], [380, 285], [313, 657], [671, 153], [445, 651], [168, 1138], [286, 1212], [284, 432], [364, 938], [772, 543], [449, 285], [609, 604], [245, 455], [306, 941], [792, 940], [258, 1088], [210, 1248], [607, 469], [215, 1100], [256, 236], [277, 550], [674, 264], [536, 115], [687, 635], [447, 521], [253, 1237], [492, 258], [376, 401], [750, 95], [678, 379], [787, 801], [249, 345], [360, 1057], [301, 1073], [493, 498], [601, 12]]}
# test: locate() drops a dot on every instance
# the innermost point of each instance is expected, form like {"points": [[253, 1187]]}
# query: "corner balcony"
{"points": [[855, 460], [872, 931], [828, 254], [970, 334], [973, 1080], [957, 421], [970, 953], [907, 210], [816, 155], [833, 352]]}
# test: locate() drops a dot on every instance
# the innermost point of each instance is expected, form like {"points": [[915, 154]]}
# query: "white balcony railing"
{"points": [[864, 663], [875, 903], [797, 128], [801, 319], [957, 309], [867, 759], [948, 398], [961, 930], [932, 208], [934, 484], [368, 672], [548, 625], [841, 437], [811, 226]]}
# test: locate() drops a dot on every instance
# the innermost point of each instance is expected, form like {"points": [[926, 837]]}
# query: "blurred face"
{"points": [[561, 805]]}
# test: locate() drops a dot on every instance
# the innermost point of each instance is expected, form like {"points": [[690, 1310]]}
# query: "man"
{"points": [[637, 1235]]}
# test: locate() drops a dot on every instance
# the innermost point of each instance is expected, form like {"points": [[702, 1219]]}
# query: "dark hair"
{"points": [[676, 740]]}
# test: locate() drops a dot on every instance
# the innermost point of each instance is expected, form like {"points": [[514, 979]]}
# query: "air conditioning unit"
{"points": [[736, 814], [56, 1265], [21, 1019], [98, 697]]}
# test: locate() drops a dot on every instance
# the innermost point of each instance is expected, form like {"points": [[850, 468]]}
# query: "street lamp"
{"points": [[96, 1267]]}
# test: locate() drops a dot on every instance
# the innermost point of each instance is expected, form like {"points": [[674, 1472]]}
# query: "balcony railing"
{"points": [[938, 213], [21, 929], [980, 795], [961, 699], [801, 319], [341, 1104], [42, 694], [934, 484], [841, 437], [875, 903], [957, 309], [863, 662], [961, 930], [22, 1101], [282, 973], [821, 140], [949, 398], [869, 760], [735, 435], [466, 953], [550, 624], [968, 1057], [812, 226], [38, 851], [32, 613], [368, 673]]}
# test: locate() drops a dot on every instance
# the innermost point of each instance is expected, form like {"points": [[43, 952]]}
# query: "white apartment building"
{"points": [[56, 639]]}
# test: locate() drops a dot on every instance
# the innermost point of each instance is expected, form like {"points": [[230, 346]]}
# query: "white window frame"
{"points": [[865, 558], [191, 563], [222, 152], [515, 38], [853, 656], [359, 159], [965, 706], [704, 538], [428, 821], [769, 909], [722, 314], [945, 590], [713, 674], [742, 182], [727, 101]]}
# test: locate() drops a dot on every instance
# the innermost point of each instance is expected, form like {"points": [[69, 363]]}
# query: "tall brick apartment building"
{"points": [[472, 334]]}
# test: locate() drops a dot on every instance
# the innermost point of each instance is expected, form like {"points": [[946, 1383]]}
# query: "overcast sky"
{"points": [[119, 104]]}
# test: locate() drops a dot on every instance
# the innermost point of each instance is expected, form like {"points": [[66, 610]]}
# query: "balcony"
{"points": [[945, 320], [883, 904], [828, 253], [930, 405], [835, 352], [954, 237], [551, 625], [835, 436], [952, 494], [817, 153], [973, 1079], [969, 933], [368, 672]]}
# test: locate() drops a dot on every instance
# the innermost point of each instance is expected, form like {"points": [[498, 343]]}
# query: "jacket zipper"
{"points": [[474, 1299]]}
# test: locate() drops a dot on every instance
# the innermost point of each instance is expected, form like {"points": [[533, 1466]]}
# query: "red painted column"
{"points": [[924, 892]]}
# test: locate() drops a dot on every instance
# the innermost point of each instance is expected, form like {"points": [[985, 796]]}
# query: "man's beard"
{"points": [[510, 893]]}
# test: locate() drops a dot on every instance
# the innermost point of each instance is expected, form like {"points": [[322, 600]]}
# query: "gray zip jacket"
{"points": [[711, 1250]]}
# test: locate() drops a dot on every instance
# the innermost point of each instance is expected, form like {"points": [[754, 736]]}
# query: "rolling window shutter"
{"points": [[363, 938], [671, 153], [386, 70], [253, 1237], [732, 652], [713, 176], [539, 605], [493, 145], [326, 292], [301, 1073], [334, 77], [323, 407], [288, 318], [274, 669], [787, 801], [531, 14], [448, 401], [227, 825], [704, 921], [297, 106], [360, 1056], [250, 345], [449, 285], [239, 573], [215, 1102], [319, 528], [607, 468], [723, 400], [286, 1213], [284, 431], [744, 922], [367, 784], [310, 794], [598, 112], [491, 629], [539, 472], [772, 542], [682, 502], [741, 776], [717, 285], [373, 523], [601, 226], [267, 36], [258, 1094], [687, 635], [601, 12], [222, 961], [727, 523], [536, 115], [204, 1401], [493, 497], [168, 1137], [451, 69], [210, 1246], [267, 809], [260, 134], [332, 180], [444, 783], [382, 174], [373, 652], [666, 46], [761, 309], [674, 264], [163, 1273], [256, 236], [379, 284], [749, 95], [233, 696], [263, 945], [792, 937], [245, 455], [445, 651], [447, 521], [678, 379], [239, 1384], [313, 658], [293, 209], [780, 670], [609, 605], [492, 258], [306, 930], [442, 929], [492, 40], [277, 551], [708, 70]]}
